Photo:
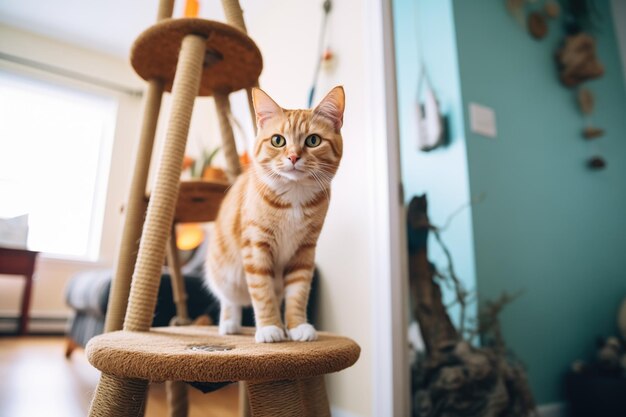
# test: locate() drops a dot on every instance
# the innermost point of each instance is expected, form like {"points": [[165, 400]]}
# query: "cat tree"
{"points": [[192, 57]]}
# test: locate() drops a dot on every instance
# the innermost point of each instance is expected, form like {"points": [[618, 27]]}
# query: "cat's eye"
{"points": [[278, 141], [313, 141]]}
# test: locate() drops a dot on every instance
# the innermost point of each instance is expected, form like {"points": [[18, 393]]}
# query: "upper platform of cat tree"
{"points": [[232, 60]]}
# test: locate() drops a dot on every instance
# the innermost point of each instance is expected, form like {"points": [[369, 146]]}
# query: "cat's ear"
{"points": [[332, 106], [264, 107]]}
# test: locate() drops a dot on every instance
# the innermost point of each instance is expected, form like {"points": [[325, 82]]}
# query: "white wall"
{"points": [[53, 273], [287, 33]]}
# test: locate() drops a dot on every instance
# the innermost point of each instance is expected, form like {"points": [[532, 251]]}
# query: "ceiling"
{"points": [[108, 26]]}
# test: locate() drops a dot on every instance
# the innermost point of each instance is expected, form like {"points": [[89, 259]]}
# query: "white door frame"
{"points": [[390, 368]]}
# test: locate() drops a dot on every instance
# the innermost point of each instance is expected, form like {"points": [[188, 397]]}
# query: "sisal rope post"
{"points": [[160, 214], [176, 278], [166, 8], [177, 398], [176, 391], [313, 395], [276, 399], [300, 398], [229, 147], [234, 17], [136, 207], [116, 397], [234, 14], [135, 210], [244, 401]]}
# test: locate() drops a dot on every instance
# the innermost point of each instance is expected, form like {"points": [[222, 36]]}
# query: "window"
{"points": [[55, 153]]}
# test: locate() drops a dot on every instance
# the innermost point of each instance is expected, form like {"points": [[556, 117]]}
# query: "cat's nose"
{"points": [[293, 158]]}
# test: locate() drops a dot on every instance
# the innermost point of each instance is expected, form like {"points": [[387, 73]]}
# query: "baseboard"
{"points": [[44, 325], [552, 410], [338, 412]]}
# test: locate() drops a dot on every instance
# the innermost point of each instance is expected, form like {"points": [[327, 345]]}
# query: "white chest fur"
{"points": [[290, 230]]}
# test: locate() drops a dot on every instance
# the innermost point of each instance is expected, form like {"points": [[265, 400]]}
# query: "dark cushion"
{"points": [[88, 294]]}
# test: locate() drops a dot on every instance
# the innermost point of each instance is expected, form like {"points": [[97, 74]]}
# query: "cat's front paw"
{"points": [[270, 334], [303, 333], [229, 327]]}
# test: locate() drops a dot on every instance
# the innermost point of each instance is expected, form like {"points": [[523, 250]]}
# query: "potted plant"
{"points": [[203, 168]]}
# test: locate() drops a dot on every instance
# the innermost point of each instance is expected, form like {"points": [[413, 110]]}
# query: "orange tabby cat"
{"points": [[262, 249]]}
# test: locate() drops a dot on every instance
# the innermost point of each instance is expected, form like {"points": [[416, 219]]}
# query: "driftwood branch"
{"points": [[428, 309], [460, 291], [454, 378]]}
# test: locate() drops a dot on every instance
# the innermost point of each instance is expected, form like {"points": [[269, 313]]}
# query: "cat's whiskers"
{"points": [[327, 176], [327, 165], [328, 172], [323, 186]]}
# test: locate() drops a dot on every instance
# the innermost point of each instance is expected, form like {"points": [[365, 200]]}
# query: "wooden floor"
{"points": [[37, 380]]}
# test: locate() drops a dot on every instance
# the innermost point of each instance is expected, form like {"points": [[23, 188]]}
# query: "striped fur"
{"points": [[262, 247]]}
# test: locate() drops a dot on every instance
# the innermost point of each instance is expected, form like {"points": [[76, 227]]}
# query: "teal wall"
{"points": [[442, 173], [548, 226]]}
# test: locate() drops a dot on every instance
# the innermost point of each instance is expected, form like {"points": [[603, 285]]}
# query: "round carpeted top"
{"points": [[232, 59], [200, 354]]}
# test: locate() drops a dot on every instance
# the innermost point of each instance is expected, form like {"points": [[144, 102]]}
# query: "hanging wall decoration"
{"points": [[430, 130], [586, 105], [325, 59], [577, 60], [537, 25], [431, 124], [576, 57]]}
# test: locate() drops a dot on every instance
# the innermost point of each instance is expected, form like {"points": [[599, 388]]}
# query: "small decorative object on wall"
{"points": [[537, 25], [431, 126], [537, 20], [453, 378], [586, 104], [552, 9], [591, 132], [577, 60], [596, 162]]}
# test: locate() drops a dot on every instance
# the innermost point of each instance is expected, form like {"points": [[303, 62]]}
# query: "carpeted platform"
{"points": [[199, 353]]}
